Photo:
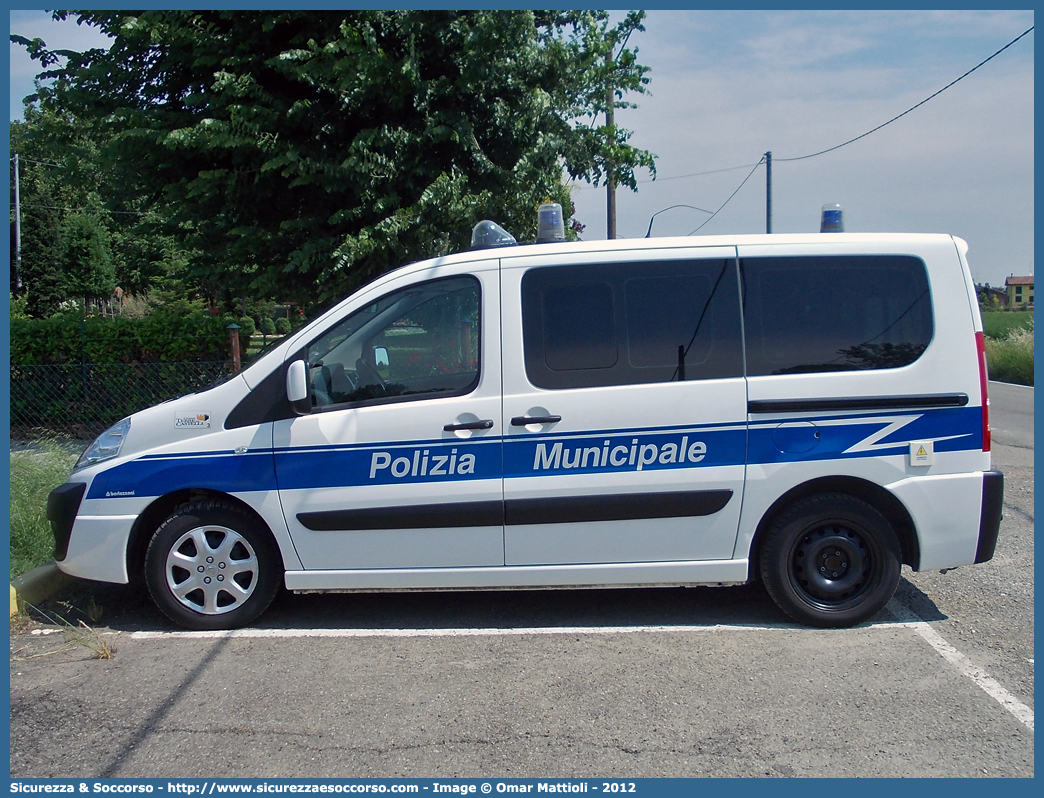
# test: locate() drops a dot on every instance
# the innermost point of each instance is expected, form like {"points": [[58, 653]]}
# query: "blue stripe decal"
{"points": [[157, 476], [521, 455], [869, 435], [389, 464]]}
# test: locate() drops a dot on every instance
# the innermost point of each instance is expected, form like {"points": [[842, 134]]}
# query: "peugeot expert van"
{"points": [[809, 411]]}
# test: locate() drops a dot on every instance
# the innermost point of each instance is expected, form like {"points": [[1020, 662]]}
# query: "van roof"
{"points": [[901, 241], [687, 242]]}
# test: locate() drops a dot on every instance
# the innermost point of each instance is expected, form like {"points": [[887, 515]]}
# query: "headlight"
{"points": [[106, 447]]}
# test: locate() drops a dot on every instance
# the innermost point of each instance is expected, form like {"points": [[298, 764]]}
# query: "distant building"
{"points": [[1020, 291], [990, 297]]}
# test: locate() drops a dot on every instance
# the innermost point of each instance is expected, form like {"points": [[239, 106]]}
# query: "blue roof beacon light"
{"points": [[832, 221], [550, 224], [487, 235]]}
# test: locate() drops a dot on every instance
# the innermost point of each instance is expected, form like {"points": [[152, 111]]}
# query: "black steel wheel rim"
{"points": [[832, 565]]}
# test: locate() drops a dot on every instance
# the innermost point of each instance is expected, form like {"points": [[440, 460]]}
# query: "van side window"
{"points": [[629, 323], [419, 342], [579, 319], [834, 313]]}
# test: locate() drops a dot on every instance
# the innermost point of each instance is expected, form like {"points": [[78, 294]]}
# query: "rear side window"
{"points": [[628, 323], [834, 313]]}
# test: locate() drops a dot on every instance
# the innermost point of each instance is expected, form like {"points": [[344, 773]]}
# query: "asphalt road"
{"points": [[614, 683]]}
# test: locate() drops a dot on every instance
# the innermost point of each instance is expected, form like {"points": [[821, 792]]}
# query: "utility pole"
{"points": [[768, 191], [610, 121], [18, 229], [610, 184]]}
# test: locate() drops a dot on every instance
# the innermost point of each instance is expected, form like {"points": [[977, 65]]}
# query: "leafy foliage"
{"points": [[85, 253], [301, 153], [81, 233], [163, 336]]}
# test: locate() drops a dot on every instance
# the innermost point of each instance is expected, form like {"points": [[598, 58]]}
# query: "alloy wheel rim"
{"points": [[212, 570]]}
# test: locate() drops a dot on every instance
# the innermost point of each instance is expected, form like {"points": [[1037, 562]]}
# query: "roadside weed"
{"points": [[1010, 357], [35, 472], [80, 634]]}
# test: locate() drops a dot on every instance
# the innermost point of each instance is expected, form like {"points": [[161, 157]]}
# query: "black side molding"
{"points": [[990, 516], [626, 507], [416, 516], [559, 510], [857, 403]]}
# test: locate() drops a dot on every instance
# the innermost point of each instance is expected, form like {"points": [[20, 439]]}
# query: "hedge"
{"points": [[157, 338]]}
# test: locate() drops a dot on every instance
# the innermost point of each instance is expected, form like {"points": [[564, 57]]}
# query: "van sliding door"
{"points": [[624, 407]]}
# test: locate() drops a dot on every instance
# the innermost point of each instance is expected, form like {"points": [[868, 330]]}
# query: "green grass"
{"points": [[35, 472], [1009, 357], [998, 323]]}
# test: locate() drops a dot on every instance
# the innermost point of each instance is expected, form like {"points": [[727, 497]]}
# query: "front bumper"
{"points": [[62, 505], [86, 545]]}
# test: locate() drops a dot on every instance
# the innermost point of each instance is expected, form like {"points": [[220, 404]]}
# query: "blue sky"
{"points": [[727, 86]]}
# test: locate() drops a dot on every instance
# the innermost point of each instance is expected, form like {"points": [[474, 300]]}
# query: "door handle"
{"points": [[521, 421], [484, 424]]}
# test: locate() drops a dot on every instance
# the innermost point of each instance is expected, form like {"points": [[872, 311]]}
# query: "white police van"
{"points": [[807, 410]]}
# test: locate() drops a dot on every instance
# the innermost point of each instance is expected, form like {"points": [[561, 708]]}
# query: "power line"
{"points": [[733, 194], [915, 107], [700, 174], [82, 210], [41, 163], [850, 141]]}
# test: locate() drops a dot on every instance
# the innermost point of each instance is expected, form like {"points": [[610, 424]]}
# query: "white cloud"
{"points": [[728, 86]]}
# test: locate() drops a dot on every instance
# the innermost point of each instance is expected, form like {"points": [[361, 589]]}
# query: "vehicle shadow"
{"points": [[917, 602], [128, 608]]}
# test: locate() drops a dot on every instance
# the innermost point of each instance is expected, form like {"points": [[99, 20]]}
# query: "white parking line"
{"points": [[1018, 710], [473, 632], [1022, 713]]}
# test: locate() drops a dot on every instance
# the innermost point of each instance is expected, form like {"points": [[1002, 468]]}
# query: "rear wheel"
{"points": [[211, 566], [831, 560]]}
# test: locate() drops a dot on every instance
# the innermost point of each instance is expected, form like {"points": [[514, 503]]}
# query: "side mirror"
{"points": [[297, 392]]}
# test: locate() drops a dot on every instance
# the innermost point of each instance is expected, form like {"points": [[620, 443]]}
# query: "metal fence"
{"points": [[82, 400]]}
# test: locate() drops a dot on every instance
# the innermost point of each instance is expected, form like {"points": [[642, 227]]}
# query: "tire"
{"points": [[831, 560], [210, 566]]}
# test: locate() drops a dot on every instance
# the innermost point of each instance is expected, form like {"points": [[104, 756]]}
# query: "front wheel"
{"points": [[211, 566], [831, 560]]}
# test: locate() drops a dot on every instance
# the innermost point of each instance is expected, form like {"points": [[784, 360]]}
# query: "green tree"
{"points": [[301, 153], [44, 197], [87, 259], [63, 176]]}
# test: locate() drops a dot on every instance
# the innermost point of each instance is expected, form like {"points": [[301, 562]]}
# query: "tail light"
{"points": [[980, 345]]}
